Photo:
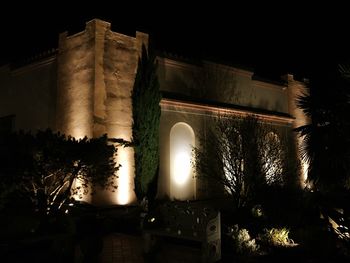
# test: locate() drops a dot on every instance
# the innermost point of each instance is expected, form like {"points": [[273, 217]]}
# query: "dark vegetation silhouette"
{"points": [[326, 147], [145, 129], [46, 167]]}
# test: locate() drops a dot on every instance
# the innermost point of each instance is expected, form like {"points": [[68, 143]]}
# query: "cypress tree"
{"points": [[146, 116]]}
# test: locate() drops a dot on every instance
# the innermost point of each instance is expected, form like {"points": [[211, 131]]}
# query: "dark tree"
{"points": [[49, 167], [327, 149], [146, 116], [326, 144]]}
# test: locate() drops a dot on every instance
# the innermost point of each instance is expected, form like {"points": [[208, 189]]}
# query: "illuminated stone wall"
{"points": [[221, 84], [241, 94], [96, 71]]}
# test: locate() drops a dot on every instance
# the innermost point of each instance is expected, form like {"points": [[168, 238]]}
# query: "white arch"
{"points": [[182, 181]]}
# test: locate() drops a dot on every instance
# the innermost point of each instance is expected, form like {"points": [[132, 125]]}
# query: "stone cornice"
{"points": [[210, 110]]}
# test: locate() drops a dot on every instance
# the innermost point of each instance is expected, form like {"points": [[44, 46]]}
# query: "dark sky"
{"points": [[271, 39]]}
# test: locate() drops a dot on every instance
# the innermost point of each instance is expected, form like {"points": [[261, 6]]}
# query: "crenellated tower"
{"points": [[96, 72]]}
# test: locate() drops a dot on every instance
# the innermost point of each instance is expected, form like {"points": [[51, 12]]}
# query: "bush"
{"points": [[276, 237], [243, 244], [257, 211]]}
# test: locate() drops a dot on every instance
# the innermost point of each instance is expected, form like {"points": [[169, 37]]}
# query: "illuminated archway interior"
{"points": [[182, 182]]}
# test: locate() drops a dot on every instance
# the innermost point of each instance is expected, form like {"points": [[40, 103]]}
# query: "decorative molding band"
{"points": [[210, 110]]}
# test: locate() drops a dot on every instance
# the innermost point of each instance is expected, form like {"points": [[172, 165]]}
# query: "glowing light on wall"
{"points": [[79, 195], [78, 133], [182, 162], [124, 193], [182, 182], [124, 176], [76, 86]]}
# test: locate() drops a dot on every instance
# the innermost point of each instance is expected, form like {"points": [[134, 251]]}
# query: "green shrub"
{"points": [[276, 237], [257, 211], [243, 244]]}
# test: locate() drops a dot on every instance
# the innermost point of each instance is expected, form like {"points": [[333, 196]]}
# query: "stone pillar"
{"points": [[296, 89]]}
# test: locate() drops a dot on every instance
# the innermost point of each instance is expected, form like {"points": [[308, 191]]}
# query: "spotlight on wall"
{"points": [[182, 165]]}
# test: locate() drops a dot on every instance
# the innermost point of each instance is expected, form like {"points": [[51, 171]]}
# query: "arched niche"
{"points": [[182, 181]]}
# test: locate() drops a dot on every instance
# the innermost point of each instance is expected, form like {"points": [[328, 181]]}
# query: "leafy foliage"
{"points": [[243, 244], [47, 165], [276, 237], [326, 139], [327, 150], [146, 117]]}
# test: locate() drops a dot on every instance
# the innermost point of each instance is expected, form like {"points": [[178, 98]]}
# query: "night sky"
{"points": [[272, 40]]}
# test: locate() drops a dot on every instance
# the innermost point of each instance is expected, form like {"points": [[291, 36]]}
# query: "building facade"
{"points": [[84, 89]]}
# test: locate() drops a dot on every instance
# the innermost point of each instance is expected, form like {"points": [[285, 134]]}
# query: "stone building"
{"points": [[83, 88]]}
